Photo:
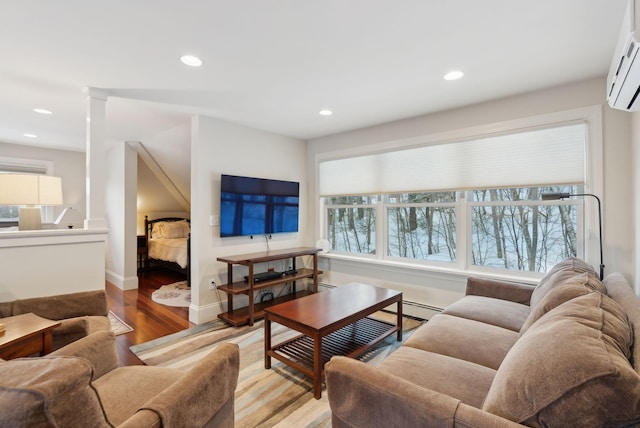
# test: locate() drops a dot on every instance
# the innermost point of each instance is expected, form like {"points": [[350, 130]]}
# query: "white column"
{"points": [[96, 155]]}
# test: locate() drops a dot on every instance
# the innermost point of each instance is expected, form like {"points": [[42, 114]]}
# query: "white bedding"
{"points": [[171, 250]]}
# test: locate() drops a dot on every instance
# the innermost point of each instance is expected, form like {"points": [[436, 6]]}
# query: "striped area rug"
{"points": [[279, 397]]}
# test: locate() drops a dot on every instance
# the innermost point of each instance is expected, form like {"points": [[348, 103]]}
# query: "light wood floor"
{"points": [[149, 319]]}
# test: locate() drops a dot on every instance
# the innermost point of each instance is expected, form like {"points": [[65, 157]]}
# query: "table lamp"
{"points": [[563, 195], [31, 190]]}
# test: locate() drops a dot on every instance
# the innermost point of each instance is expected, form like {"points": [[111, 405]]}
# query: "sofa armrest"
{"points": [[512, 291], [72, 329], [202, 392], [99, 348], [362, 396], [142, 419]]}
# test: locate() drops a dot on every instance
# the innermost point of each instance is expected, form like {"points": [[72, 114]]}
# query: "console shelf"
{"points": [[242, 287], [249, 314]]}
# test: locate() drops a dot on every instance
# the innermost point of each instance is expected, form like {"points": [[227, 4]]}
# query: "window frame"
{"points": [[591, 116], [384, 208], [375, 206], [580, 244]]}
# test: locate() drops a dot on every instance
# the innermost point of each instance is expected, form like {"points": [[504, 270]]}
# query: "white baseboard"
{"points": [[128, 283], [205, 313]]}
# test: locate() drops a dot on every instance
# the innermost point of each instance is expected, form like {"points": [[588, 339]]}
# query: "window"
{"points": [[471, 204], [509, 228], [512, 229], [421, 226], [9, 214], [352, 223]]}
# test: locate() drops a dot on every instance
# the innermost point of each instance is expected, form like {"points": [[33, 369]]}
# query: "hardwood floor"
{"points": [[148, 319]]}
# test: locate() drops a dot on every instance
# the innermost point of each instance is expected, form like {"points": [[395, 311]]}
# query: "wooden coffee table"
{"points": [[332, 323], [26, 335]]}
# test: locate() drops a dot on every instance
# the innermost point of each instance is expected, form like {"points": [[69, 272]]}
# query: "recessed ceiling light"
{"points": [[190, 60], [453, 75], [30, 135], [325, 112], [42, 111]]}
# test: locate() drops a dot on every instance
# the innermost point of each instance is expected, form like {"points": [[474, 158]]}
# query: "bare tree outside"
{"points": [[510, 228], [9, 212], [352, 224], [422, 226], [513, 229]]}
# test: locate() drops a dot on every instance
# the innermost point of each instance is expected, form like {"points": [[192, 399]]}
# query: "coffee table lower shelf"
{"points": [[351, 341]]}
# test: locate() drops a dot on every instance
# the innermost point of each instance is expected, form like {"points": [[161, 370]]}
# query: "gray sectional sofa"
{"points": [[563, 353]]}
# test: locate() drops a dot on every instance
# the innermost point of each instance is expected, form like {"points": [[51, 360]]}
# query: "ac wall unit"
{"points": [[623, 81]]}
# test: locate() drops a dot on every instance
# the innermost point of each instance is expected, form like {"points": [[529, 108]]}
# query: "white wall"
{"points": [[50, 262], [218, 147], [153, 199], [68, 165], [437, 289], [634, 188]]}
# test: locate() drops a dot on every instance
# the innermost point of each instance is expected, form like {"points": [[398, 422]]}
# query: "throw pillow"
{"points": [[49, 391], [563, 291], [560, 273], [570, 368]]}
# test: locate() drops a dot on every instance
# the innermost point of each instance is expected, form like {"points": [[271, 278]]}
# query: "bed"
{"points": [[168, 242]]}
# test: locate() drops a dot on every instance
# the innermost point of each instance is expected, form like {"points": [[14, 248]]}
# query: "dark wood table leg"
{"points": [[229, 281], [251, 284], [317, 367], [267, 341], [47, 342], [399, 334]]}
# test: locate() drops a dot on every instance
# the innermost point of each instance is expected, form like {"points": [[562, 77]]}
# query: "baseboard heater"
{"points": [[404, 302]]}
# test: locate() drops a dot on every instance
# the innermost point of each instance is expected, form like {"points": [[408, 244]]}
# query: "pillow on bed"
{"points": [[156, 232], [171, 229]]}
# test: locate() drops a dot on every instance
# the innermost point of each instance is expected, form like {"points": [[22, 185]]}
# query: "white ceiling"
{"points": [[275, 64]]}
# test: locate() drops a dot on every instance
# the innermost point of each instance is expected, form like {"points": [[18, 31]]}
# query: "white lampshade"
{"points": [[30, 189]]}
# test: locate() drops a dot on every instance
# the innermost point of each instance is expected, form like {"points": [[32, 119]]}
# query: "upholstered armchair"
{"points": [[81, 385]]}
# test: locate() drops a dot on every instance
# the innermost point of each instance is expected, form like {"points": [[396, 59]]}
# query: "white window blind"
{"points": [[524, 159], [24, 166]]}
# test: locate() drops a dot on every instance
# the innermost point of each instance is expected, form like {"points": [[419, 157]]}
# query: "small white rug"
{"points": [[117, 325], [176, 294]]}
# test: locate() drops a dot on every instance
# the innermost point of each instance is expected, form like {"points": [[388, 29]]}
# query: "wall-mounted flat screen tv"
{"points": [[257, 206]]}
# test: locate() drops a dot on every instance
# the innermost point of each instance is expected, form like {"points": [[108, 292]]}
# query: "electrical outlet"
{"points": [[212, 284]]}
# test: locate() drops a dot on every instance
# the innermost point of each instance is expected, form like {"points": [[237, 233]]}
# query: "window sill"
{"points": [[434, 269]]}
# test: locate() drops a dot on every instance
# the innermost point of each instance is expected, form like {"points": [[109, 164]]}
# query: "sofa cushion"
{"points": [[570, 368], [6, 309], [469, 340], [558, 274], [49, 392], [498, 312], [465, 381], [574, 286]]}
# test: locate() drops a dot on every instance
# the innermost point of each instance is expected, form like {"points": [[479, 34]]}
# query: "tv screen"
{"points": [[257, 206]]}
